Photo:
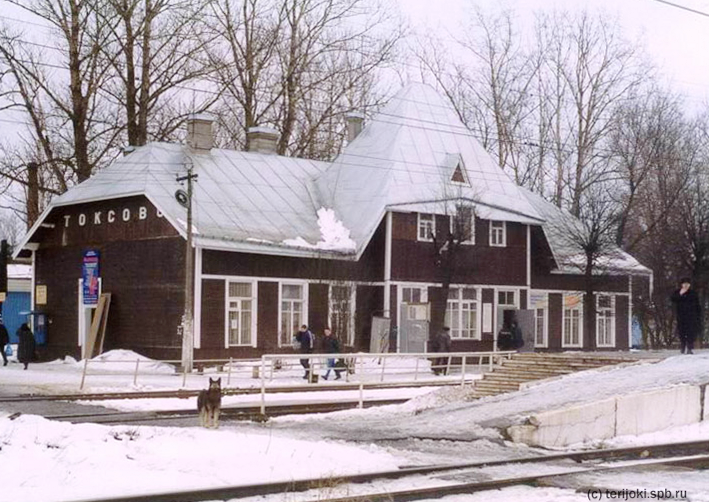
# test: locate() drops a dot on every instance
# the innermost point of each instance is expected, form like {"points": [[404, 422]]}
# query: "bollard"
{"points": [[135, 376], [361, 394], [228, 375]]}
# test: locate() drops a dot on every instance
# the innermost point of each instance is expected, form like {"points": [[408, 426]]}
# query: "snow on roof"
{"points": [[570, 257], [404, 156], [19, 271], [239, 197]]}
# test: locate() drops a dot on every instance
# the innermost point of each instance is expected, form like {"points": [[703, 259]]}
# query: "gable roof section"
{"points": [[402, 158], [570, 258]]}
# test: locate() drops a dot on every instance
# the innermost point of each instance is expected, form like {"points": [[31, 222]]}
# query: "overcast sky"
{"points": [[676, 39]]}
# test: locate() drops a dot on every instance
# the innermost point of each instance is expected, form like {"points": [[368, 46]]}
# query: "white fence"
{"points": [[362, 369]]}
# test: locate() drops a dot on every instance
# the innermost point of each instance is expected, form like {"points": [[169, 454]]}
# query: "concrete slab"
{"points": [[652, 411], [567, 426]]}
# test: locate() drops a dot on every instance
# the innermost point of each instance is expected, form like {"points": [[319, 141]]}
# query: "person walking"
{"points": [[331, 345], [4, 340], [689, 315], [305, 338], [26, 345]]}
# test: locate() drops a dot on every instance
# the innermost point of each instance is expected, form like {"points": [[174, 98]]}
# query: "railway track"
{"points": [[245, 412], [689, 454], [227, 391]]}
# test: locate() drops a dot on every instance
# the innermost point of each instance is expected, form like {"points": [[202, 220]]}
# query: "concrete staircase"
{"points": [[529, 366]]}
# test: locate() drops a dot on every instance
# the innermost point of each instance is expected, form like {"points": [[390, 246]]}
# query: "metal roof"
{"points": [[403, 160], [407, 154]]}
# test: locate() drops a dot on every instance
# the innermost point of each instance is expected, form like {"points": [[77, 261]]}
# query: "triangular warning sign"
{"points": [[458, 175]]}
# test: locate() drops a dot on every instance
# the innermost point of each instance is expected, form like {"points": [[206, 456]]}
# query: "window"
{"points": [[498, 234], [426, 227], [506, 298], [411, 295], [241, 318], [463, 224], [292, 311], [538, 302], [540, 339], [462, 313], [605, 321], [572, 317], [342, 308]]}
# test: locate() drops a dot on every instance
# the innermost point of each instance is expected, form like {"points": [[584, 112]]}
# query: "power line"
{"points": [[672, 4]]}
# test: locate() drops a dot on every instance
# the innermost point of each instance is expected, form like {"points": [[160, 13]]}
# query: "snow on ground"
{"points": [[52, 461]]}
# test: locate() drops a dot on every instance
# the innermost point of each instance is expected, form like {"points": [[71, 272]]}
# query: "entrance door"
{"points": [[413, 329]]}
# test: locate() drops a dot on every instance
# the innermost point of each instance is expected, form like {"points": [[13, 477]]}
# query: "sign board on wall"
{"points": [[40, 294], [90, 275]]}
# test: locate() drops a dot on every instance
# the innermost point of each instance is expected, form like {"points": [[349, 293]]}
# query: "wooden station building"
{"points": [[279, 241]]}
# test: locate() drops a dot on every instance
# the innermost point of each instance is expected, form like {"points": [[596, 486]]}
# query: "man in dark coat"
{"points": [[4, 340], [26, 345], [441, 343], [305, 338], [689, 315], [331, 345]]}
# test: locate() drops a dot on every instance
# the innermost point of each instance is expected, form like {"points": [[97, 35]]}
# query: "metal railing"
{"points": [[354, 364]]}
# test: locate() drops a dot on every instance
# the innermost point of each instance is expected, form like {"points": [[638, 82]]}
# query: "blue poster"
{"points": [[90, 275]]}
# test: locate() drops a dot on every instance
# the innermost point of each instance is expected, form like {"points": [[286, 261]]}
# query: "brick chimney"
{"points": [[262, 140], [199, 132], [355, 120]]}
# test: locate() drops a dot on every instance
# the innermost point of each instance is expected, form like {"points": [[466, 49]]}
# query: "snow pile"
{"points": [[19, 271], [333, 234], [121, 360], [52, 461]]}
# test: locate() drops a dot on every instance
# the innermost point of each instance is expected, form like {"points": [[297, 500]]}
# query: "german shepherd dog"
{"points": [[209, 403]]}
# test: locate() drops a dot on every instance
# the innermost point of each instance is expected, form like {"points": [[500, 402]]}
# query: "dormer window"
{"points": [[459, 175], [426, 227], [498, 234]]}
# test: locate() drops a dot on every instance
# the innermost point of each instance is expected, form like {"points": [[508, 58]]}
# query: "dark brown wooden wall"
{"points": [[621, 322], [478, 264], [213, 320], [555, 320], [146, 282], [318, 307], [370, 267]]}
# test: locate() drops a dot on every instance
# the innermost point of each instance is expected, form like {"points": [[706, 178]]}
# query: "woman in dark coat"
{"points": [[689, 315], [26, 345]]}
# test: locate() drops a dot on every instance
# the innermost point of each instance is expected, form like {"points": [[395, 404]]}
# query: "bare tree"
{"points": [[591, 69], [80, 118], [155, 51]]}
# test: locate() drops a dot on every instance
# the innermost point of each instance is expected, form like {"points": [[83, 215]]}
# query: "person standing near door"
{"points": [[26, 345]]}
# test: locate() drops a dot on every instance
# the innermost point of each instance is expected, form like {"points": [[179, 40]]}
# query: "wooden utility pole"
{"points": [[188, 317]]}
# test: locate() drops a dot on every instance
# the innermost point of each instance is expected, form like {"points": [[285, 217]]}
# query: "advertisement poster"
{"points": [[90, 275]]}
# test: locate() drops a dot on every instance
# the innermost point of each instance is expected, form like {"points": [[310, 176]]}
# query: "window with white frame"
{"points": [[605, 320], [572, 318], [498, 233], [538, 302], [426, 226], [540, 327], [507, 298], [292, 311], [462, 313], [342, 309], [463, 224], [241, 313]]}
